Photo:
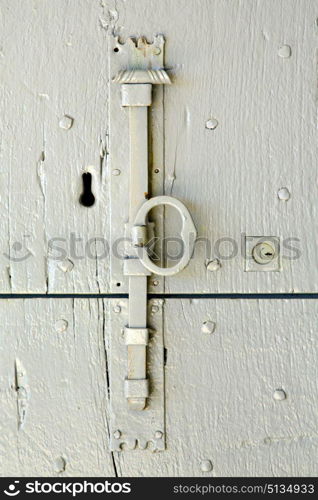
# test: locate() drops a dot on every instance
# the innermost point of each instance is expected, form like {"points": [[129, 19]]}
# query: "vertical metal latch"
{"points": [[137, 97]]}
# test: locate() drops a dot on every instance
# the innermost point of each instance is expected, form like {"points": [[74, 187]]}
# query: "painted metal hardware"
{"points": [[137, 96], [188, 234], [143, 69]]}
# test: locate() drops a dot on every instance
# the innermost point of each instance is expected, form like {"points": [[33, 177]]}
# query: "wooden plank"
{"points": [[256, 77], [54, 128], [222, 403], [121, 56], [53, 389], [251, 66]]}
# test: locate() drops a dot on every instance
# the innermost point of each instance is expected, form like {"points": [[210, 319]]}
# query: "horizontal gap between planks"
{"points": [[160, 296]]}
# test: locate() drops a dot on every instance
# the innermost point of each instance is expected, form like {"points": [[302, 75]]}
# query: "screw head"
{"points": [[117, 309], [117, 434], [154, 309], [158, 434], [116, 172]]}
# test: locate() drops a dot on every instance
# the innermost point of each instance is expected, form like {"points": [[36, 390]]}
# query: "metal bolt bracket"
{"points": [[130, 429]]}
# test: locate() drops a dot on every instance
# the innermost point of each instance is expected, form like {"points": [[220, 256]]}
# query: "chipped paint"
{"points": [[23, 393]]}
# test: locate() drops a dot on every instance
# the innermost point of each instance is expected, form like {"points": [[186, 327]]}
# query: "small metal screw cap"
{"points": [[264, 252]]}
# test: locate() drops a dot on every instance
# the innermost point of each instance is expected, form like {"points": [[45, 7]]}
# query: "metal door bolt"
{"points": [[263, 252]]}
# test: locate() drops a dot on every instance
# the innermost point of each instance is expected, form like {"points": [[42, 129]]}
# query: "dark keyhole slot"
{"points": [[165, 356], [87, 199]]}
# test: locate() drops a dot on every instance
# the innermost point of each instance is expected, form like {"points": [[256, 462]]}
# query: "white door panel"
{"points": [[240, 389], [246, 69]]}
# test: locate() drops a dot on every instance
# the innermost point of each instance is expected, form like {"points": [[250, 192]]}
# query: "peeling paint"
{"points": [[23, 393]]}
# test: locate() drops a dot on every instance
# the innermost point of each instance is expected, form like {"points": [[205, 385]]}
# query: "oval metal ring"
{"points": [[188, 235]]}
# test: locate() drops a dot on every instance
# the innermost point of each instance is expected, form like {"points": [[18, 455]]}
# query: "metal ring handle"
{"points": [[188, 234]]}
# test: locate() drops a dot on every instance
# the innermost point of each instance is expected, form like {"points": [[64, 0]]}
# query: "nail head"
{"points": [[211, 124], [66, 265], [66, 122], [208, 327], [206, 466], [61, 325], [283, 194], [213, 265], [279, 395], [284, 51]]}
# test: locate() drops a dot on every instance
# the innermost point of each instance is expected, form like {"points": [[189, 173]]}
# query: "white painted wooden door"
{"points": [[234, 137]]}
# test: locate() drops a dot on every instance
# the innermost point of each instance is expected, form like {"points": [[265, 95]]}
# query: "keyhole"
{"points": [[87, 199], [263, 252]]}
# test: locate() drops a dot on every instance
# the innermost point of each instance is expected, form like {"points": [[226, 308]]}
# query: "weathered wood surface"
{"points": [[58, 347], [54, 77], [219, 389], [250, 65], [228, 64]]}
